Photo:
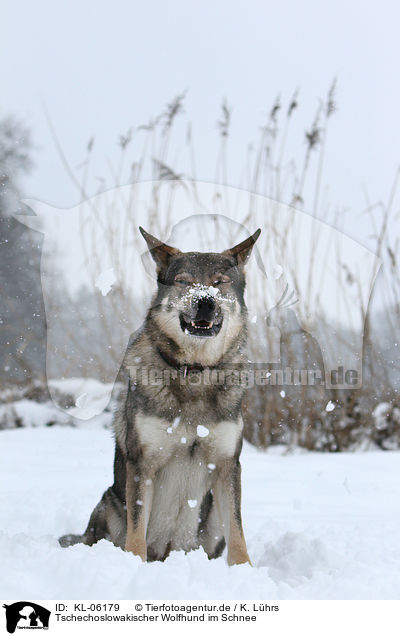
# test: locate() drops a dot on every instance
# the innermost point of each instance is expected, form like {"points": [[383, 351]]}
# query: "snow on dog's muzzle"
{"points": [[204, 316]]}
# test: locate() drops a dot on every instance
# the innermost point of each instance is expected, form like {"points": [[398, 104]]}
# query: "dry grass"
{"points": [[300, 417]]}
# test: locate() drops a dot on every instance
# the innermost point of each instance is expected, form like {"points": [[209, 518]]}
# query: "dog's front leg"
{"points": [[227, 491], [139, 492]]}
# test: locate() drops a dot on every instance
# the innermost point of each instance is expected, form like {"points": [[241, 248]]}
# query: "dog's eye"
{"points": [[182, 280], [220, 280]]}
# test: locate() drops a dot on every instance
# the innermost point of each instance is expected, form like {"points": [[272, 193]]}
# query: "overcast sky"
{"points": [[101, 67]]}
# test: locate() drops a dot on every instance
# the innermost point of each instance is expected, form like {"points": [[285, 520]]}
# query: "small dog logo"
{"points": [[26, 615]]}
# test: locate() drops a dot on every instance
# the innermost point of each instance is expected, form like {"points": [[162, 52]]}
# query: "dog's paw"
{"points": [[70, 539], [238, 555], [137, 547]]}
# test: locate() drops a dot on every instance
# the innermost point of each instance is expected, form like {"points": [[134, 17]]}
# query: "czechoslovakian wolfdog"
{"points": [[178, 430]]}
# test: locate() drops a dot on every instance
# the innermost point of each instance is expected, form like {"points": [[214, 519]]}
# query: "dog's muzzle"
{"points": [[206, 319]]}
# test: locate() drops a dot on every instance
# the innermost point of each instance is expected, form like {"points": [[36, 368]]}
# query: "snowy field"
{"points": [[318, 526]]}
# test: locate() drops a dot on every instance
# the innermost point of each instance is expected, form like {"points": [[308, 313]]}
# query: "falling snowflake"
{"points": [[105, 281]]}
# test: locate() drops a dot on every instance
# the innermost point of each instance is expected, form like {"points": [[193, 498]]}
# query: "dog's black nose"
{"points": [[205, 308]]}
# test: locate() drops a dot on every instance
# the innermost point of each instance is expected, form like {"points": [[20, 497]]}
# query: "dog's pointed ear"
{"points": [[242, 251], [160, 252]]}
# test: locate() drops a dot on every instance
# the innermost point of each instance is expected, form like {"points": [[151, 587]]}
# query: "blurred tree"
{"points": [[22, 320]]}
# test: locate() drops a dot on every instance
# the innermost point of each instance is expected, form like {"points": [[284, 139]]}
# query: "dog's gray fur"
{"points": [[177, 442]]}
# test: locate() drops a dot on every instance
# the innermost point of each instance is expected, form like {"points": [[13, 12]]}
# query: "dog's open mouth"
{"points": [[200, 327]]}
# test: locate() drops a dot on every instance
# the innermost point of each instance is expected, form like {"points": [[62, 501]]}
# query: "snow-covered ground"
{"points": [[318, 526]]}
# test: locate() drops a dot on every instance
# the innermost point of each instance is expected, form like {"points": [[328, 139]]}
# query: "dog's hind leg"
{"points": [[96, 528], [107, 521]]}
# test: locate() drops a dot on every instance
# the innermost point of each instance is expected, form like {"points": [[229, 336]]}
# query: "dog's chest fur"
{"points": [[186, 436], [185, 458]]}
